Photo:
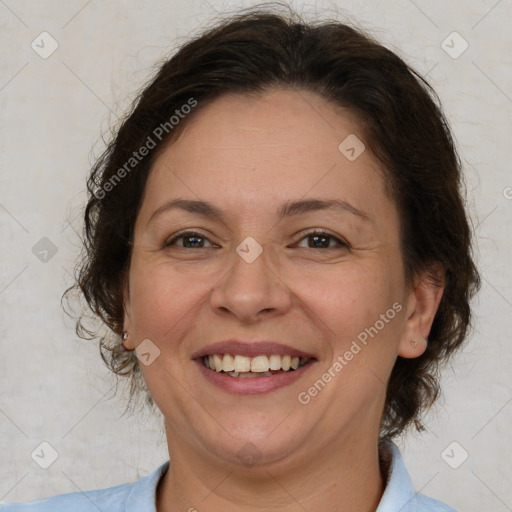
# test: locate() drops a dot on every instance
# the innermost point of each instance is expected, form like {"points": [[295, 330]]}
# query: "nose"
{"points": [[251, 291]]}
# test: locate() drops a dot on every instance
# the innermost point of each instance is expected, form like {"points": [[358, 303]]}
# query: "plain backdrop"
{"points": [[54, 387]]}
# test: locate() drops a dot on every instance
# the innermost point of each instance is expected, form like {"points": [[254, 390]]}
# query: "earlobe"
{"points": [[422, 305], [124, 341], [412, 349], [127, 341]]}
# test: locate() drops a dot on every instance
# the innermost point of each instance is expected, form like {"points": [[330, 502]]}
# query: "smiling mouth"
{"points": [[243, 367]]}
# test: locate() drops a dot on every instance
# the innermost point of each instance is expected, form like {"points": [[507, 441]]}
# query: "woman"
{"points": [[277, 239]]}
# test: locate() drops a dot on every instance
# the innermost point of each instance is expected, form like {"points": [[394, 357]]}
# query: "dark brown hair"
{"points": [[402, 124]]}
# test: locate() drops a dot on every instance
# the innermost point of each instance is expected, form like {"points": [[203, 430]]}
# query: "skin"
{"points": [[247, 156]]}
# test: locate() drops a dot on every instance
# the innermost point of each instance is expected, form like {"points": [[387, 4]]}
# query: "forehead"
{"points": [[278, 122], [254, 150]]}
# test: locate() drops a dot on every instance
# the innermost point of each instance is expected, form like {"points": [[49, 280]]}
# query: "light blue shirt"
{"points": [[399, 495]]}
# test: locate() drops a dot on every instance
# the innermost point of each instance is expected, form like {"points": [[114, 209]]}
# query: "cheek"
{"points": [[358, 309], [348, 298], [162, 299]]}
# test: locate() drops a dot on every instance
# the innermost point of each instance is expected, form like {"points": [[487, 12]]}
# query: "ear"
{"points": [[422, 304], [129, 343]]}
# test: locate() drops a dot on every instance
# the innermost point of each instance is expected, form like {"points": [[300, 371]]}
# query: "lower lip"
{"points": [[252, 385]]}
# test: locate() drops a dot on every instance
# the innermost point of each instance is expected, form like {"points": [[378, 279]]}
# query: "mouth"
{"points": [[252, 367], [242, 367], [246, 368]]}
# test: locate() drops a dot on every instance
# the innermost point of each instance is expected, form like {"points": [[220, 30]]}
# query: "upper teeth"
{"points": [[259, 364]]}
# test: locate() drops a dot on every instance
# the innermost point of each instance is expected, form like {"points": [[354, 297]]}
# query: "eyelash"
{"points": [[317, 232]]}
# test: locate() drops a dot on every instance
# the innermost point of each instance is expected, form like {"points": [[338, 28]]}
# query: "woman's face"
{"points": [[255, 272]]}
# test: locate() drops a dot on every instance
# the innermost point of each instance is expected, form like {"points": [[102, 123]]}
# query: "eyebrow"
{"points": [[288, 209]]}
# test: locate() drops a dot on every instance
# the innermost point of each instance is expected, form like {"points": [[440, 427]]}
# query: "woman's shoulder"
{"points": [[111, 499], [138, 496]]}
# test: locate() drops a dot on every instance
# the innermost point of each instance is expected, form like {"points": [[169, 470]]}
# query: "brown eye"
{"points": [[322, 240], [190, 240]]}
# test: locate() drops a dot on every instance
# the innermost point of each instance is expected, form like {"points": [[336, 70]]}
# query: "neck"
{"points": [[346, 478]]}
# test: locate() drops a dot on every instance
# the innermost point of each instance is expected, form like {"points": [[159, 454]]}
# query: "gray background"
{"points": [[53, 386]]}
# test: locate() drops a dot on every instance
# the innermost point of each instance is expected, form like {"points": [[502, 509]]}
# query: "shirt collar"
{"points": [[399, 494], [142, 497]]}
